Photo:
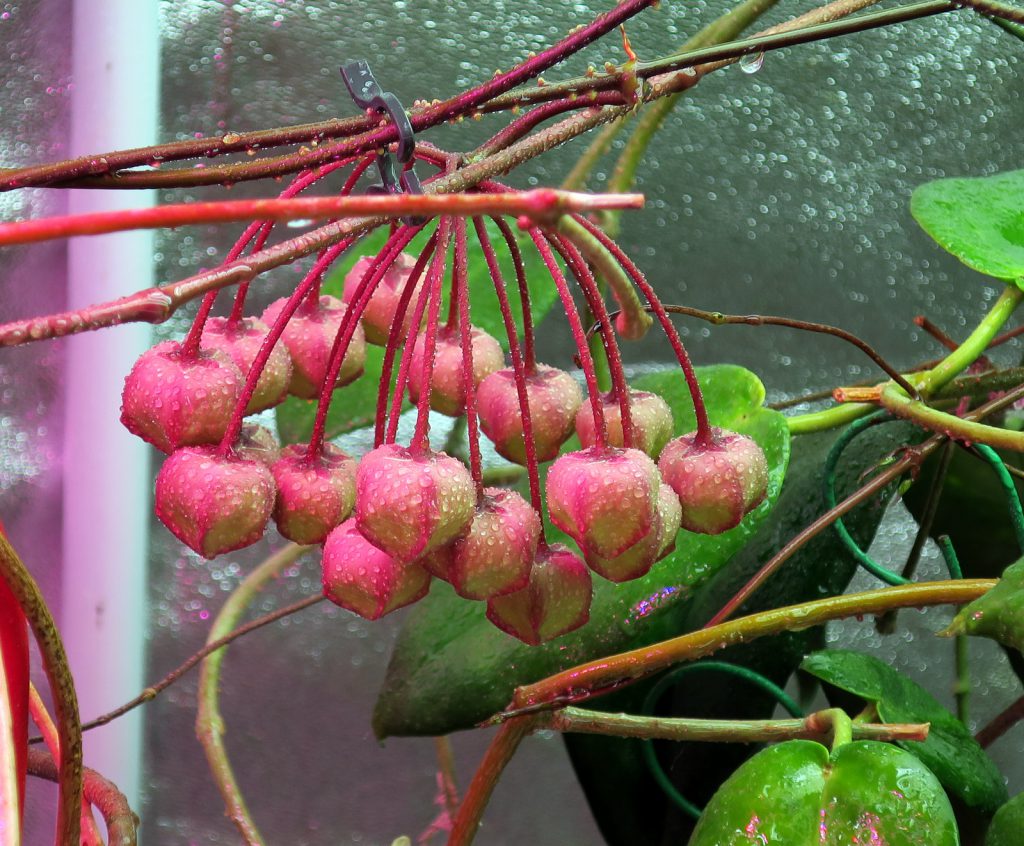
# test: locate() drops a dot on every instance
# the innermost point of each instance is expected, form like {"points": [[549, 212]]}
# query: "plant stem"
{"points": [[633, 320], [590, 679], [62, 690], [651, 118], [209, 723], [950, 425], [543, 205], [121, 822], [812, 727], [504, 745], [156, 689], [44, 722], [928, 382], [1001, 723]]}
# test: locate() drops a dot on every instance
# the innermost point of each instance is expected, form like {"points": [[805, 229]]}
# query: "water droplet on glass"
{"points": [[752, 63]]}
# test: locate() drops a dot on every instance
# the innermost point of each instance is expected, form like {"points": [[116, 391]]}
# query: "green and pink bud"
{"points": [[214, 503], [447, 385], [241, 342], [718, 484], [652, 422], [555, 601], [383, 303], [366, 580], [314, 493], [411, 502], [172, 399]]}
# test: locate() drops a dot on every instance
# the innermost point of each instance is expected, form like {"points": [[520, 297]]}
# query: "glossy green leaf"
{"points": [[796, 793], [950, 751], [979, 220], [627, 803], [451, 668], [1007, 828], [352, 407], [999, 613]]}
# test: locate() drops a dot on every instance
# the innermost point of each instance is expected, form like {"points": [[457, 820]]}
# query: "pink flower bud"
{"points": [[411, 502], [605, 499], [172, 400], [309, 337], [496, 553], [213, 503], [448, 388], [554, 399], [257, 443], [365, 580], [717, 485], [313, 494], [641, 556], [241, 342], [555, 601], [380, 310], [652, 422]]}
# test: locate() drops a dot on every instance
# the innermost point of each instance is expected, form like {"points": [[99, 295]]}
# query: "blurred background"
{"points": [[780, 192]]}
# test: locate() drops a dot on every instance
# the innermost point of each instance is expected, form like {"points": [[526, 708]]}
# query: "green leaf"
{"points": [[950, 751], [1007, 824], [353, 407], [998, 613], [484, 311], [451, 668], [628, 805], [978, 220]]}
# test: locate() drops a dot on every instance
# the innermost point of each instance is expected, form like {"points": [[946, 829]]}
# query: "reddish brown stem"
{"points": [[460, 294], [529, 356], [1001, 723], [397, 337], [519, 368]]}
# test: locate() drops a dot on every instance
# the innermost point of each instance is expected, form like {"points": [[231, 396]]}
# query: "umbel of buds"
{"points": [[404, 513]]}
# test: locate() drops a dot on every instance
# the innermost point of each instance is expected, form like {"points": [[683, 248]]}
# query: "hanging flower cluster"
{"points": [[404, 513]]}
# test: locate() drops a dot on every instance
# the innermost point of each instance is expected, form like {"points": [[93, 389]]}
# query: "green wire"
{"points": [[843, 441], [1009, 488], [670, 679], [949, 554]]}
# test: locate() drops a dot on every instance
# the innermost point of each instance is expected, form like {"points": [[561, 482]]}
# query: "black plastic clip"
{"points": [[367, 94]]}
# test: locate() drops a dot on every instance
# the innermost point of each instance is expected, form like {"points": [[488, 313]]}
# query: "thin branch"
{"points": [[1001, 723], [812, 727], [121, 822], [543, 205], [209, 723], [994, 9], [595, 677]]}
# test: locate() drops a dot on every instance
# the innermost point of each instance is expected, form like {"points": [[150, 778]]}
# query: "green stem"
{"points": [[586, 680], [62, 689], [839, 725], [929, 381], [725, 28], [975, 344], [893, 399], [209, 723], [812, 727]]}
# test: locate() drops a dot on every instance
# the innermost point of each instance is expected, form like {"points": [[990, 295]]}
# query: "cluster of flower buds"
{"points": [[404, 514]]}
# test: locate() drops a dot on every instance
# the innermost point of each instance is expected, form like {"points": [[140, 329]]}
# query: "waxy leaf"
{"points": [[451, 668], [998, 613], [950, 751], [1008, 824], [979, 220], [798, 794]]}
